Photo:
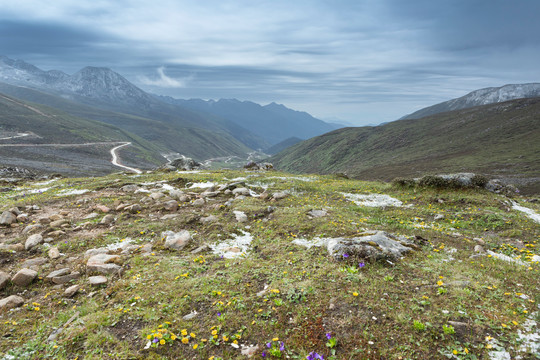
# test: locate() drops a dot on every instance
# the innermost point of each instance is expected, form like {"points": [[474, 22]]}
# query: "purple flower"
{"points": [[314, 356], [328, 336], [345, 255], [155, 340], [269, 345], [263, 354], [281, 346], [218, 314], [361, 265]]}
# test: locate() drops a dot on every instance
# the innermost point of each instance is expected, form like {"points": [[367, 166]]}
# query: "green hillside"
{"points": [[45, 125], [498, 140]]}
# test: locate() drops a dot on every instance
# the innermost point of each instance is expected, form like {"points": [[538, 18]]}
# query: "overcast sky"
{"points": [[363, 61]]}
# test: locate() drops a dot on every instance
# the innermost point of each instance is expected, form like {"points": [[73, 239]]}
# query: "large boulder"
{"points": [[24, 277], [184, 163]]}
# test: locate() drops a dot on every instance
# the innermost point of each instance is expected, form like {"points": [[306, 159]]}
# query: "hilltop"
{"points": [[498, 140], [243, 264]]}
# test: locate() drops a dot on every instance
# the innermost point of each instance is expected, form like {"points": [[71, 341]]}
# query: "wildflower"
{"points": [[195, 346], [173, 337], [275, 339], [184, 332], [269, 345], [361, 265], [345, 255], [355, 293], [440, 283], [192, 335], [281, 346], [149, 337], [185, 340], [155, 340], [162, 342], [328, 336], [314, 356]]}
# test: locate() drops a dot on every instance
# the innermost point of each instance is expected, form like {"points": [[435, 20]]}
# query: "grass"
{"points": [[281, 292]]}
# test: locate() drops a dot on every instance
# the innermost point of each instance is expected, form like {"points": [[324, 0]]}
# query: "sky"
{"points": [[359, 61]]}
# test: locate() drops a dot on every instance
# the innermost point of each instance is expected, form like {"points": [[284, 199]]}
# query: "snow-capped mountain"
{"points": [[481, 97], [95, 83]]}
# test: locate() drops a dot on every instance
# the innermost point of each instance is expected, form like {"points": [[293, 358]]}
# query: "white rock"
{"points": [[32, 241]]}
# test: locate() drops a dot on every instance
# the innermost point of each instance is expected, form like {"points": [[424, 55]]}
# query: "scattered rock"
{"points": [[157, 195], [54, 253], [22, 218], [32, 241], [184, 163], [240, 216], [13, 247], [201, 249], [135, 208], [7, 218], [24, 277], [32, 228], [104, 264], [72, 290], [479, 241], [317, 213], [479, 249], [208, 219], [280, 195], [191, 315], [241, 191], [171, 205], [107, 219], [4, 279], [30, 263], [57, 233], [438, 217], [129, 188], [56, 273], [198, 202], [11, 302], [97, 280], [103, 208], [176, 241]]}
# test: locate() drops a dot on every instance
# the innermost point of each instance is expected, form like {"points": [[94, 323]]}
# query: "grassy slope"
{"points": [[171, 134], [492, 139], [380, 311], [54, 126]]}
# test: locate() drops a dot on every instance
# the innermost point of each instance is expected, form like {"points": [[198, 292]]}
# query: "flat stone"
{"points": [[198, 202], [92, 215], [176, 194], [54, 253], [72, 290], [438, 217], [44, 220], [241, 191], [171, 205], [104, 264], [240, 216], [11, 302], [156, 195], [56, 273], [135, 208], [102, 208], [210, 194], [32, 228], [280, 195], [317, 213], [97, 280], [146, 248], [107, 219], [479, 249], [92, 252], [12, 247], [32, 241], [129, 188], [22, 218], [24, 277], [170, 216], [56, 233], [4, 279], [191, 315], [34, 262], [55, 217], [176, 241], [479, 241], [66, 278], [15, 210], [7, 218], [208, 219]]}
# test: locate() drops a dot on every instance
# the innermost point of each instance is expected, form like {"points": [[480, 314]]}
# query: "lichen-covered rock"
{"points": [[176, 241]]}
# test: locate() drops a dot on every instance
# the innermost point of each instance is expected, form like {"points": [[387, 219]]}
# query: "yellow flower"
{"points": [[195, 346], [275, 339], [184, 332], [204, 340], [489, 346], [185, 340], [466, 350], [454, 352], [149, 337], [36, 308], [214, 332], [158, 335], [355, 293], [162, 342], [515, 323], [173, 337], [225, 338], [192, 335], [440, 283]]}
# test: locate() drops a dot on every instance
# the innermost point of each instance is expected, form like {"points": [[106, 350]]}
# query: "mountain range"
{"points": [[173, 125]]}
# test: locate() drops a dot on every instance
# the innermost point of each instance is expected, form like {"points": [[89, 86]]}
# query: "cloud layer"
{"points": [[365, 61]]}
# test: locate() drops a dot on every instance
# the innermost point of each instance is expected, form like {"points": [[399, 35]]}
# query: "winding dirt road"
{"points": [[114, 154]]}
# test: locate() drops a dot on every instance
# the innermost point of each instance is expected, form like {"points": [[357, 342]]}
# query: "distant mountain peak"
{"points": [[479, 97]]}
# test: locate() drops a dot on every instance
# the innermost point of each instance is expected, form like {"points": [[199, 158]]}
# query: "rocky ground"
{"points": [[243, 264]]}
